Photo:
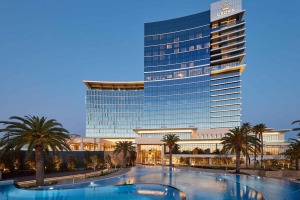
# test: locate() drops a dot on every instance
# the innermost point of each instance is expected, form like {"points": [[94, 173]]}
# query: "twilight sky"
{"points": [[48, 47]]}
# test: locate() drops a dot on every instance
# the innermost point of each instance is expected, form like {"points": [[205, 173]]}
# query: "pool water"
{"points": [[152, 183]]}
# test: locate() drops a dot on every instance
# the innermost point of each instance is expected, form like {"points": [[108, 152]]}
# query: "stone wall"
{"points": [[274, 174]]}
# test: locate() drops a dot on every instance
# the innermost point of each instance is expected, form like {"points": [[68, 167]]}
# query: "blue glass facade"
{"points": [[113, 111], [177, 60], [181, 90], [192, 77]]}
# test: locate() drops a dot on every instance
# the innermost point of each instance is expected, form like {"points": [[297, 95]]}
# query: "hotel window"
{"points": [[215, 25], [176, 45], [183, 65], [176, 39], [191, 37], [180, 74], [206, 70], [155, 37], [176, 50], [183, 49], [191, 48], [199, 35], [195, 72], [198, 46], [191, 64], [169, 46], [207, 45]]}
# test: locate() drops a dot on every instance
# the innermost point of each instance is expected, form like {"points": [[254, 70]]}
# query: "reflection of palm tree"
{"points": [[37, 134]]}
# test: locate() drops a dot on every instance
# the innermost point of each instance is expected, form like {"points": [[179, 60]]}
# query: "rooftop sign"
{"points": [[222, 9]]}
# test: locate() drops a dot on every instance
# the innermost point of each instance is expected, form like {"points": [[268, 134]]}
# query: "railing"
{"points": [[228, 32], [228, 44], [226, 26], [225, 66]]}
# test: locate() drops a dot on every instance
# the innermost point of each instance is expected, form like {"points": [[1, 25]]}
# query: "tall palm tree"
{"points": [[293, 152], [261, 129], [34, 133], [247, 127], [298, 128], [170, 140], [124, 147], [234, 142], [255, 130]]}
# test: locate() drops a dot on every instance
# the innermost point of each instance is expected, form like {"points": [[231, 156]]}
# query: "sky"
{"points": [[47, 48]]}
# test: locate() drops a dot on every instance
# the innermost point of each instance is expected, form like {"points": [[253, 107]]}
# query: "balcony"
{"points": [[234, 66], [227, 45], [230, 50], [238, 37], [228, 32], [225, 27]]}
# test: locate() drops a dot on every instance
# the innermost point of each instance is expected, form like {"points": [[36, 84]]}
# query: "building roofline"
{"points": [[164, 130], [114, 85]]}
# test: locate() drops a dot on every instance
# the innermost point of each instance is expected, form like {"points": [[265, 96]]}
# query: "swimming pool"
{"points": [[150, 183]]}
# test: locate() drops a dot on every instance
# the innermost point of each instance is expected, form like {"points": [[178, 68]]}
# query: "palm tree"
{"points": [[247, 127], [261, 129], [34, 133], [234, 142], [296, 129], [124, 147], [170, 140], [255, 130], [293, 153]]}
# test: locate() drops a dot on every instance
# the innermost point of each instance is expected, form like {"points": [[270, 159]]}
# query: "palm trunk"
{"points": [[238, 163], [170, 156], [297, 163], [40, 168], [255, 151], [124, 159], [262, 150], [246, 152]]}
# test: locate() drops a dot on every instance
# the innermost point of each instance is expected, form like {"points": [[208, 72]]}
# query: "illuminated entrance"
{"points": [[149, 154]]}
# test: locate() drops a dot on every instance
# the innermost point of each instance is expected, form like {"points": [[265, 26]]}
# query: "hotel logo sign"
{"points": [[225, 9]]}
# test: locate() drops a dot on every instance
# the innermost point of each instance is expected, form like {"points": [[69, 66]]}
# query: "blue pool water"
{"points": [[147, 183]]}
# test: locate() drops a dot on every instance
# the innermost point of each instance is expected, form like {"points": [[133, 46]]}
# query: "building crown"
{"points": [[225, 6]]}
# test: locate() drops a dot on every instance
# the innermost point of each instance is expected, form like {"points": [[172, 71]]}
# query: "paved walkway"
{"points": [[71, 177]]}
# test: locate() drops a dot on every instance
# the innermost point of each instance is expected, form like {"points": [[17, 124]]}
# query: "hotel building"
{"points": [[193, 69]]}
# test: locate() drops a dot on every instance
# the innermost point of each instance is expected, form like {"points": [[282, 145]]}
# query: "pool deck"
{"points": [[228, 171], [63, 178]]}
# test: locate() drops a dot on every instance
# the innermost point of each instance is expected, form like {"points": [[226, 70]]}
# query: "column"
{"points": [[209, 161], [81, 145], [162, 154], [99, 145]]}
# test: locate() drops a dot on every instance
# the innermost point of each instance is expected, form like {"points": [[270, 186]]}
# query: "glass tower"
{"points": [[114, 109], [192, 79], [192, 69]]}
